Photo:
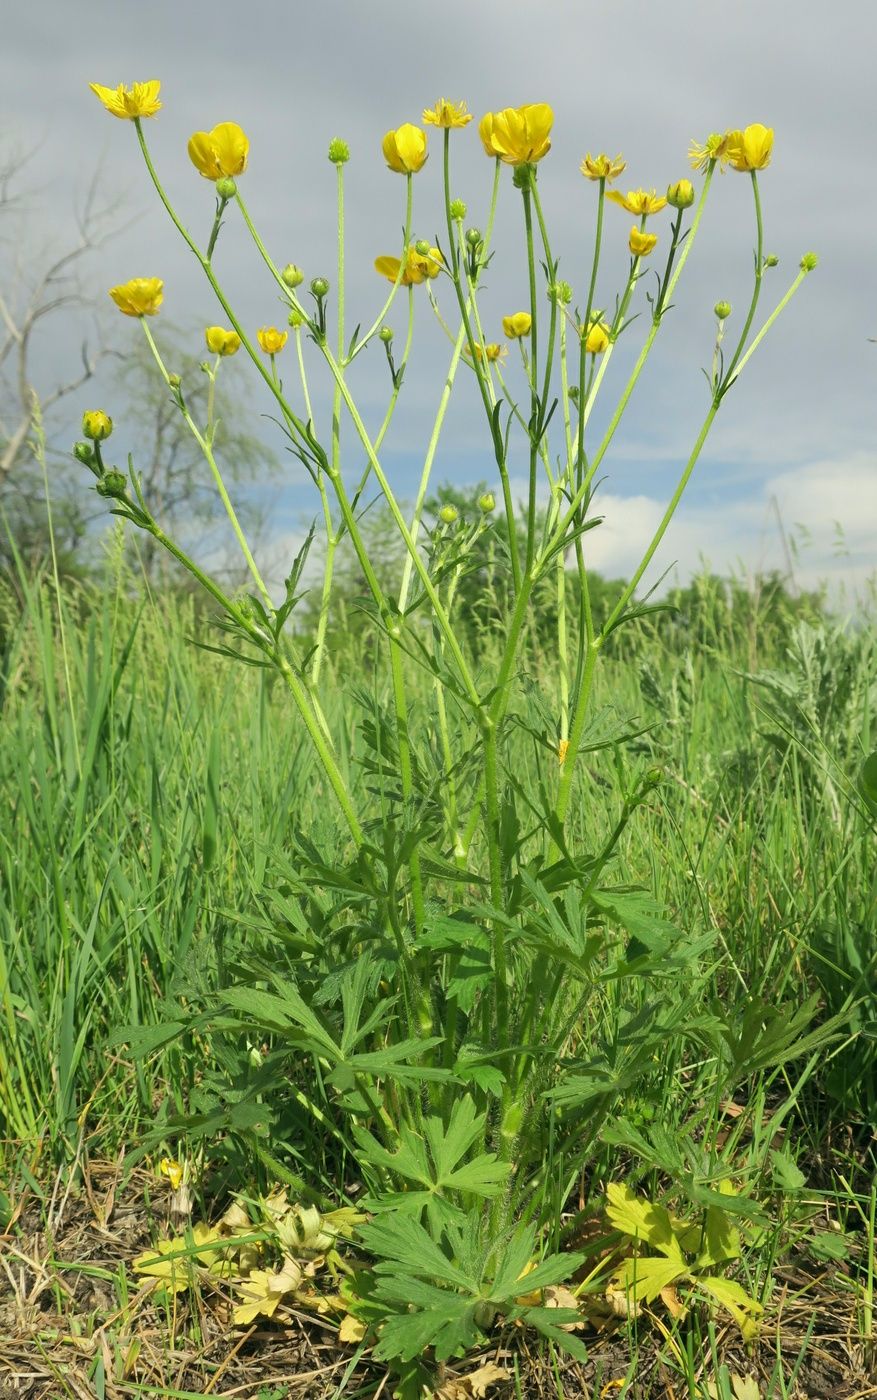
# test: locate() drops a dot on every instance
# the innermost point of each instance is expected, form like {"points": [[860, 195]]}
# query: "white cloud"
{"points": [[826, 509]]}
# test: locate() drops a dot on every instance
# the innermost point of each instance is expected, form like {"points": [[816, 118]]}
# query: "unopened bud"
{"points": [[226, 187], [84, 452], [561, 292], [339, 151], [422, 248], [722, 310], [97, 425], [295, 319], [473, 237], [292, 276], [808, 262], [319, 286], [458, 210], [449, 514], [771, 260], [112, 483], [487, 502], [680, 195], [385, 334], [174, 381]]}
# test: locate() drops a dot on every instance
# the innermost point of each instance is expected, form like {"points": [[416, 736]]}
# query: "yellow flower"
{"points": [[142, 296], [271, 339], [596, 342], [602, 167], [405, 149], [96, 424], [517, 325], [172, 1169], [641, 244], [638, 201], [418, 266], [518, 135], [447, 114], [491, 352], [681, 195], [221, 341], [220, 152], [139, 100], [750, 149], [715, 147]]}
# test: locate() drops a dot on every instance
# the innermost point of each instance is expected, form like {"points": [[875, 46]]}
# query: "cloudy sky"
{"points": [[795, 440]]}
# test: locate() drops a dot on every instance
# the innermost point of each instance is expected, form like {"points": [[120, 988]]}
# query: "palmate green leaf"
{"points": [[395, 1061], [282, 1011], [549, 1322], [442, 1167], [721, 1240], [404, 1245], [442, 1320]]}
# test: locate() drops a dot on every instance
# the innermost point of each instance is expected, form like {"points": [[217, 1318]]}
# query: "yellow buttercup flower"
{"points": [[139, 100], [751, 148], [221, 152], [271, 339], [641, 244], [602, 167], [597, 339], [715, 147], [221, 341], [517, 325], [447, 114], [489, 352], [418, 266], [405, 149], [142, 296], [638, 201], [518, 135]]}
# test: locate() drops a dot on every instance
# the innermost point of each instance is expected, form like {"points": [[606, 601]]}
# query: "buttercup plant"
{"points": [[452, 946]]}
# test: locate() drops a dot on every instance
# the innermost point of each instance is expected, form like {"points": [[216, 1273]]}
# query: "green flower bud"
{"points": [[339, 151], [458, 210], [487, 502], [422, 247], [84, 453], [449, 514], [174, 381], [680, 195], [295, 319], [320, 287], [97, 425], [385, 334], [226, 187], [112, 484], [722, 310], [473, 237], [808, 262], [561, 292], [292, 276], [771, 260]]}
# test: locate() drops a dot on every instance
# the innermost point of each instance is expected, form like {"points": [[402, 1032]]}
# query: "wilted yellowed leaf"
{"points": [[474, 1386], [560, 1297], [642, 1220], [672, 1302], [351, 1329], [263, 1292]]}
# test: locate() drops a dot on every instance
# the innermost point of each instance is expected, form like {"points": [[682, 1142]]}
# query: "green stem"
{"points": [[534, 365], [207, 450], [759, 274], [781, 306]]}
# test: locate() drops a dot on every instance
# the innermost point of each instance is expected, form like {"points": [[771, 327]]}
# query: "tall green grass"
{"points": [[149, 796]]}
